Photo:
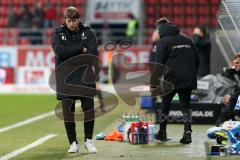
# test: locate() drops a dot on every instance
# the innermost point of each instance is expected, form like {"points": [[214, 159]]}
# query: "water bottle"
{"points": [[135, 135], [145, 135], [151, 131], [228, 148]]}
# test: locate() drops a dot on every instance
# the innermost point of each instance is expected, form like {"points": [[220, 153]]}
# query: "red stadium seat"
{"points": [[79, 2], [202, 20], [18, 2], [151, 2], [164, 2], [150, 22], [54, 2], [202, 10], [1, 42], [213, 22], [3, 21], [150, 10], [48, 32], [177, 20], [12, 41], [214, 10], [189, 21], [81, 10], [5, 2], [215, 2], [14, 32], [24, 41], [201, 2], [189, 2], [177, 10], [2, 33], [189, 10], [43, 2], [4, 11], [62, 10], [67, 2], [47, 41], [177, 2], [164, 11], [29, 2]]}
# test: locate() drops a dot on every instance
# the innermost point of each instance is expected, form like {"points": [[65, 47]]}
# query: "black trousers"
{"points": [[184, 98], [68, 106], [225, 115]]}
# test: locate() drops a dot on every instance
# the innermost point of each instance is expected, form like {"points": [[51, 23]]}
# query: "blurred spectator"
{"points": [[38, 15], [202, 42], [106, 32], [132, 27], [233, 73], [50, 16], [25, 17], [12, 18], [35, 35]]}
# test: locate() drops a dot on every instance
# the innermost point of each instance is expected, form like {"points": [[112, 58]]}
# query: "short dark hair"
{"points": [[203, 29], [71, 13], [161, 21], [236, 56]]}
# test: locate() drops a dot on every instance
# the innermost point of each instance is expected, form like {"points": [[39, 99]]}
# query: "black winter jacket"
{"points": [[66, 45], [177, 52]]}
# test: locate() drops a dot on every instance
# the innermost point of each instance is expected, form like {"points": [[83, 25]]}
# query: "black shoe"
{"points": [[161, 135], [187, 138]]}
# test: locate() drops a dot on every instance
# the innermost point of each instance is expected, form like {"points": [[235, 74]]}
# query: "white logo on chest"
{"points": [[64, 38], [83, 36]]}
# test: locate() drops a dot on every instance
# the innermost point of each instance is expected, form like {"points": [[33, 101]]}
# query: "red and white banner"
{"points": [[33, 76], [10, 75], [33, 65], [36, 57], [112, 11]]}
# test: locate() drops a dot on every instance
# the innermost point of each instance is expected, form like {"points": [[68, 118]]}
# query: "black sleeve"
{"points": [[229, 73], [196, 55], [198, 42], [65, 51], [160, 56], [233, 99], [91, 43]]}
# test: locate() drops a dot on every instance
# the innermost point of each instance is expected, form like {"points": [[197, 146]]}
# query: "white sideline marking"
{"points": [[27, 121], [34, 144]]}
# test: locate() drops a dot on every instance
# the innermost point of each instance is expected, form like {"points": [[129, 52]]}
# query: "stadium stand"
{"points": [[185, 13]]}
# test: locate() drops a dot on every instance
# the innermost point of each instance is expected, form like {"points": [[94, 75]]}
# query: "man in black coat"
{"points": [[68, 42], [230, 100], [203, 44], [177, 52]]}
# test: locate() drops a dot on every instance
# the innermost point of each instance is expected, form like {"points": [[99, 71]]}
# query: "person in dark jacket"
{"points": [[233, 73], [177, 52], [155, 38], [203, 44], [230, 100], [69, 41]]}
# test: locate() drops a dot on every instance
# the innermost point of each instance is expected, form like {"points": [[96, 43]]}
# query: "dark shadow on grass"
{"points": [[163, 145]]}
